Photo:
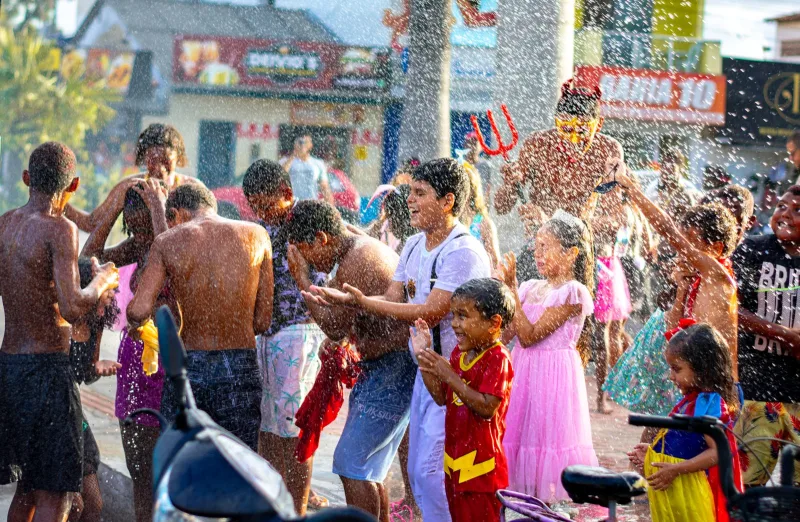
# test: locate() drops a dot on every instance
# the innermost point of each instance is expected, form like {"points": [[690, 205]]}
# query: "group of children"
{"points": [[481, 418]]}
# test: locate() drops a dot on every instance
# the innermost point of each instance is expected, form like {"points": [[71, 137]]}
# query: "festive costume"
{"points": [[474, 462], [548, 426], [613, 299], [640, 380], [692, 497]]}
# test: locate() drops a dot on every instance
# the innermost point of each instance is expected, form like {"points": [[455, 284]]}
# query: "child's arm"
{"points": [[667, 473], [664, 226], [482, 404], [682, 277], [421, 342], [551, 320]]}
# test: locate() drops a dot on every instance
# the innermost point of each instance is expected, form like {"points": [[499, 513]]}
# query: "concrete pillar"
{"points": [[535, 40], [425, 129]]}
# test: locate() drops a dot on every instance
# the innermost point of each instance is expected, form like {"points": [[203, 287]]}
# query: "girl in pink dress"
{"points": [[548, 416]]}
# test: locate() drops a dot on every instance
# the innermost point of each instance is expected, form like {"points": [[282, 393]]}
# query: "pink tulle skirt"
{"points": [[548, 425], [613, 300]]}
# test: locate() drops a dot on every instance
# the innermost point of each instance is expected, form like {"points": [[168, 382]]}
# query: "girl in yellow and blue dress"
{"points": [[681, 467]]}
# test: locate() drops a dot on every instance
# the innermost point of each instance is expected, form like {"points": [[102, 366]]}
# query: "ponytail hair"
{"points": [[570, 232]]}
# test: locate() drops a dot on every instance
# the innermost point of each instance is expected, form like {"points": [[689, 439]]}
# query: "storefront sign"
{"points": [[763, 100], [363, 68], [321, 114], [650, 95], [229, 62], [100, 66]]}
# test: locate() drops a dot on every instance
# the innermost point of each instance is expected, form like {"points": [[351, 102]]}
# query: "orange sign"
{"points": [[643, 94]]}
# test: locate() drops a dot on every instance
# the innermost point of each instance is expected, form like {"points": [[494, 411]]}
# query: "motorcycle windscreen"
{"points": [[215, 475]]}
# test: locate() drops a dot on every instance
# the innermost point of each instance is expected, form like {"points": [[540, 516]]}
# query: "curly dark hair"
{"points": [[491, 297], [706, 352], [97, 323], [160, 135], [715, 223]]}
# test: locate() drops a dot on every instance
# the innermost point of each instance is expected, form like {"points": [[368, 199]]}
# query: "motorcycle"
{"points": [[201, 472]]}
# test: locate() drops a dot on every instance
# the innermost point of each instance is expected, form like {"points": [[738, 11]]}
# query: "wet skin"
{"points": [[364, 263], [39, 280], [553, 181], [220, 271]]}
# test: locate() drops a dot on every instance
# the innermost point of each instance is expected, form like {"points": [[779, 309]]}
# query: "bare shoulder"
{"points": [[60, 228], [608, 144]]}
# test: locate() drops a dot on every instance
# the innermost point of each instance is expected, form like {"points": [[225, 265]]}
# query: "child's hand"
{"points": [[420, 336], [616, 170], [106, 368], [636, 457], [506, 271], [662, 479], [433, 363]]}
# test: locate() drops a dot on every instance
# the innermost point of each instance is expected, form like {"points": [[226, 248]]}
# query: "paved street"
{"points": [[612, 438]]}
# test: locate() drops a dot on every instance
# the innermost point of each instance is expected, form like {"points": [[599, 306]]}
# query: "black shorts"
{"points": [[91, 453], [40, 423]]}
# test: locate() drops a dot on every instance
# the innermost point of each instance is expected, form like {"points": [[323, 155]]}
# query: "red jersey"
{"points": [[473, 447]]}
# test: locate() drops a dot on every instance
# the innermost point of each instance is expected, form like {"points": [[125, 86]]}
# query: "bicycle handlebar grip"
{"points": [[654, 421]]}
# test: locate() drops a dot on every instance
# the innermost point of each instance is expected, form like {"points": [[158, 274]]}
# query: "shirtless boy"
{"points": [[704, 240], [40, 410], [381, 399], [220, 272]]}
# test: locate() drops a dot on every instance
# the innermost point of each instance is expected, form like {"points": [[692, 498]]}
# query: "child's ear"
{"points": [[449, 202], [497, 323]]}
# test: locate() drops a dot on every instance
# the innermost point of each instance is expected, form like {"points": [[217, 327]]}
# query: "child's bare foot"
{"points": [[602, 404], [316, 502]]}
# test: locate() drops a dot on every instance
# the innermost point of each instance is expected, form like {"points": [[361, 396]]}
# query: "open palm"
{"points": [[420, 336]]}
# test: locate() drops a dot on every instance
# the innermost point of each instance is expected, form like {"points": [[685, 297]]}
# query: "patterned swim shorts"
{"points": [[289, 363]]}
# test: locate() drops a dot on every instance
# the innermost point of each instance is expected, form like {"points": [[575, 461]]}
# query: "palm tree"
{"points": [[37, 105], [425, 129]]}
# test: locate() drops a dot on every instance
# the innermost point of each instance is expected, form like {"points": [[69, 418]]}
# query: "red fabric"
{"points": [[683, 324], [471, 442], [470, 507], [688, 310], [323, 402]]}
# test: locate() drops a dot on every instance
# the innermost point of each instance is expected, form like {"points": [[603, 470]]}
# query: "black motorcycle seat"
{"points": [[586, 484], [203, 482]]}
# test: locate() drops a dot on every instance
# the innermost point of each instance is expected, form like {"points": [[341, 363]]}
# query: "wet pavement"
{"points": [[613, 437]]}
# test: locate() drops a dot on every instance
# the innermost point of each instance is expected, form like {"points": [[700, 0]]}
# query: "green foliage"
{"points": [[38, 105]]}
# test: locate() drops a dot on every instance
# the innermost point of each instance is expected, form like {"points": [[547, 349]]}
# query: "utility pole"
{"points": [[425, 128]]}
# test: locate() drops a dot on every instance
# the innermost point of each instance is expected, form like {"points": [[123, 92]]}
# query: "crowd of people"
{"points": [[414, 314]]}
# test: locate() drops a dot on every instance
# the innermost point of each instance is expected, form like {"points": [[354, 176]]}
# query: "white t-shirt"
{"points": [[459, 260], [306, 176]]}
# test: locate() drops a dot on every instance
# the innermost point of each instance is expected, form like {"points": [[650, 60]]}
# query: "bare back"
{"points": [[718, 306], [369, 266], [33, 321], [214, 268]]}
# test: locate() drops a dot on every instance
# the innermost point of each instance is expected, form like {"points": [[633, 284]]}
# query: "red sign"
{"points": [[643, 94], [223, 62]]}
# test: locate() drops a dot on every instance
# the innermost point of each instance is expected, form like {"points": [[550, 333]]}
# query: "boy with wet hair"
{"points": [[220, 273], [739, 201], [381, 398], [704, 239], [288, 351], [433, 264], [40, 411], [475, 388]]}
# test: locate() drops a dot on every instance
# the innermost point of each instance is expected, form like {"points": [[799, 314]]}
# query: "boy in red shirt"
{"points": [[475, 386]]}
